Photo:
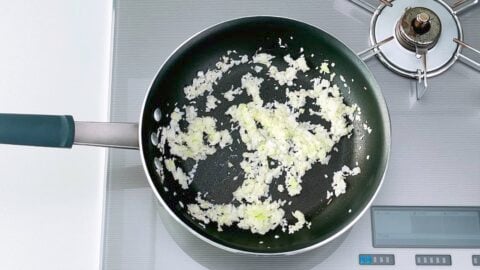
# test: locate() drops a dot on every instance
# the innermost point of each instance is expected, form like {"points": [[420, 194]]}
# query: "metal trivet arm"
{"points": [[372, 50], [461, 5], [421, 86], [369, 7], [465, 58]]}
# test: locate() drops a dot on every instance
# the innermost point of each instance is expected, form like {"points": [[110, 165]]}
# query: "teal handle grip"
{"points": [[37, 130]]}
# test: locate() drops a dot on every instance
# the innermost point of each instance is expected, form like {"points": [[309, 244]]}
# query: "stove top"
{"points": [[435, 159]]}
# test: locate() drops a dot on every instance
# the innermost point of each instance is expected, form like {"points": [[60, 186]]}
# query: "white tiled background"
{"points": [[54, 59]]}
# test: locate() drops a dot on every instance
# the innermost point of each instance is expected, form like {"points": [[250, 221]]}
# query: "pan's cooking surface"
{"points": [[215, 177]]}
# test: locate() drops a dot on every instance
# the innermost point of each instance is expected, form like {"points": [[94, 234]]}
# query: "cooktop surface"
{"points": [[435, 158]]}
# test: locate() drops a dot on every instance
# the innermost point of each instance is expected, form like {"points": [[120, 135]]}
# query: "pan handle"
{"points": [[37, 130], [62, 131]]}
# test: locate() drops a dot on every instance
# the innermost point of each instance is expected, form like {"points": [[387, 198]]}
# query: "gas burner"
{"points": [[417, 29]]}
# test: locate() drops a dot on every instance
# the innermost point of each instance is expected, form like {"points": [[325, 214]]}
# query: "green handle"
{"points": [[37, 130]]}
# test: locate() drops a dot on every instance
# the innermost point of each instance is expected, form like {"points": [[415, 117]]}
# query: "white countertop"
{"points": [[54, 59]]}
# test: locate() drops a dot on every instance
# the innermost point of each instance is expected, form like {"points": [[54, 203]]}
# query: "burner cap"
{"points": [[419, 28]]}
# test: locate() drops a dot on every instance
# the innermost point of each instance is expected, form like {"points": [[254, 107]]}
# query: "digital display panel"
{"points": [[426, 227]]}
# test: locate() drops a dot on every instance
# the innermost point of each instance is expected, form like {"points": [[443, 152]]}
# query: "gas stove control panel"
{"points": [[420, 259], [424, 235]]}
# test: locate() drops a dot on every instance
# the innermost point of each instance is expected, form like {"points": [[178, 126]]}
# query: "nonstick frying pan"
{"points": [[201, 52]]}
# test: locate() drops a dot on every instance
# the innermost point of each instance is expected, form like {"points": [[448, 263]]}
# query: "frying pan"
{"points": [[201, 52]]}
